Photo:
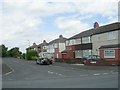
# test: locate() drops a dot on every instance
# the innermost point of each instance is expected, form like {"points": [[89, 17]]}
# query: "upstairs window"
{"points": [[67, 43], [72, 42], [86, 40], [111, 35], [56, 45], [78, 41]]}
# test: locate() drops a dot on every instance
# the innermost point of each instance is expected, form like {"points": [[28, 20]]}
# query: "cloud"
{"points": [[22, 19], [71, 26]]}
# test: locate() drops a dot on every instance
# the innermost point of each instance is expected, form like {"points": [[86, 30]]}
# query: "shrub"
{"points": [[31, 54], [33, 58]]}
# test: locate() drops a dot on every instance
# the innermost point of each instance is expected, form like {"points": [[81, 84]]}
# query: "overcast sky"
{"points": [[38, 20]]}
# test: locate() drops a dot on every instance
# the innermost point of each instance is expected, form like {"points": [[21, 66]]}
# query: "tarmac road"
{"points": [[27, 74]]}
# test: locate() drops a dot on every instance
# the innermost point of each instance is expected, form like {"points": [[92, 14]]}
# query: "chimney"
{"points": [[34, 43], [60, 36], [44, 41], [96, 25]]}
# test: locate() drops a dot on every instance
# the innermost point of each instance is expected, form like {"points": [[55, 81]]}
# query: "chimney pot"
{"points": [[96, 25]]}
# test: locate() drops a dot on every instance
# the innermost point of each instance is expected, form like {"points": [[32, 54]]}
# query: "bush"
{"points": [[33, 58], [31, 55]]}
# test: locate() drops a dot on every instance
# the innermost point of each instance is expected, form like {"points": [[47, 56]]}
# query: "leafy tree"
{"points": [[31, 54], [3, 50], [23, 56], [14, 52]]}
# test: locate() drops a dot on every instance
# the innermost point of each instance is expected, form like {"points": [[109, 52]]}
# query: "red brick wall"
{"points": [[117, 55]]}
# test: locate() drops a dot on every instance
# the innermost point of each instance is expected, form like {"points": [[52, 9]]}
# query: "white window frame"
{"points": [[87, 52], [78, 41], [78, 54], [86, 39], [110, 53]]}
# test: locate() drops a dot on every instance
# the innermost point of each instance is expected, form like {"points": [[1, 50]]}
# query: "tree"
{"points": [[14, 52], [31, 54], [3, 50], [23, 56]]}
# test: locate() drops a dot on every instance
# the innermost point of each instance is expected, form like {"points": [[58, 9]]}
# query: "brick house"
{"points": [[56, 46], [100, 40], [33, 47], [42, 48]]}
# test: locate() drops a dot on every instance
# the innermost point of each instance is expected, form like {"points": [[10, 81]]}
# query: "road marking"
{"points": [[10, 79], [12, 70], [60, 74], [105, 73], [83, 75], [96, 74], [78, 64], [50, 72], [55, 73]]}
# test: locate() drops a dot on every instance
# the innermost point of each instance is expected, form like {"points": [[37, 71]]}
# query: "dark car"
{"points": [[43, 61], [92, 58]]}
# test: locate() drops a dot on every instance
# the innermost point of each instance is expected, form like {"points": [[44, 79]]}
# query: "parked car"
{"points": [[43, 61], [92, 58]]}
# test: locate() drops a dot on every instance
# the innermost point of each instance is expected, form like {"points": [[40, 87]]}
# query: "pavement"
{"points": [[27, 74]]}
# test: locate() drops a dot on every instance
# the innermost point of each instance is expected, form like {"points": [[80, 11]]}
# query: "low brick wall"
{"points": [[72, 61], [101, 63]]}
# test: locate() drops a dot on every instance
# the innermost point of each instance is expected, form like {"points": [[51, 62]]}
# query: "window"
{"points": [[86, 52], [78, 54], [72, 42], [67, 43], [111, 35], [55, 45], [77, 41], [109, 53], [86, 40]]}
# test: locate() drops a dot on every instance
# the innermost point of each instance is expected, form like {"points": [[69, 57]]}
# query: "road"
{"points": [[27, 74]]}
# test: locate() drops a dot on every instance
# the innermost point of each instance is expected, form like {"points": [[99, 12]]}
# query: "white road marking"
{"points": [[12, 70], [50, 72], [83, 75], [96, 74], [10, 79], [78, 64], [55, 73], [60, 74], [105, 73]]}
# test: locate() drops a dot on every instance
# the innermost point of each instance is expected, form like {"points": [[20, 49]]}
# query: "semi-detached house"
{"points": [[56, 46], [103, 41]]}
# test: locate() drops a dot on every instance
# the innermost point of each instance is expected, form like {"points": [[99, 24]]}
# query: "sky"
{"points": [[23, 22]]}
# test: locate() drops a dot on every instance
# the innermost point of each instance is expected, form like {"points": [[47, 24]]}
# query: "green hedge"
{"points": [[31, 55]]}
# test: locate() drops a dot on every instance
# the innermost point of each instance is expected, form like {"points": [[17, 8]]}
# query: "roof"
{"points": [[110, 46], [58, 40], [32, 47], [42, 44], [102, 29]]}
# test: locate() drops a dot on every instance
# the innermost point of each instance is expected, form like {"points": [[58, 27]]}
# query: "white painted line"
{"points": [[50, 72], [96, 74], [83, 75], [78, 64], [105, 73], [12, 70], [60, 74], [10, 79]]}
